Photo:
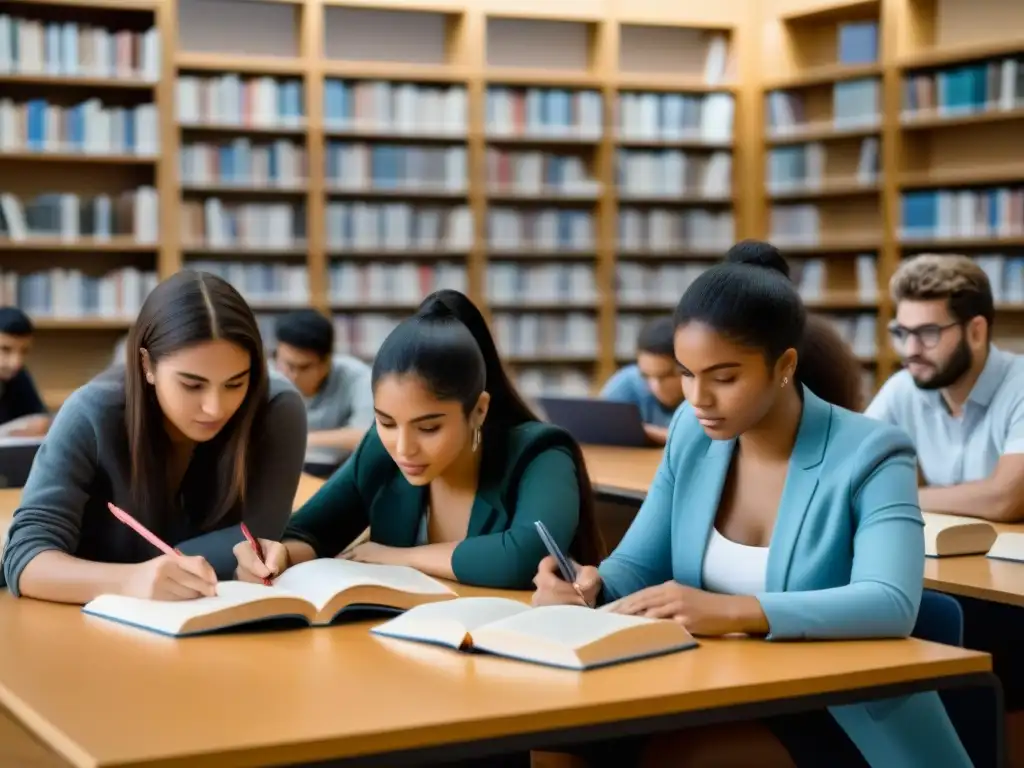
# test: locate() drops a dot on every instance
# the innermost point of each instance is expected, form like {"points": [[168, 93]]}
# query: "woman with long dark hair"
{"points": [[453, 474], [775, 513], [192, 440]]}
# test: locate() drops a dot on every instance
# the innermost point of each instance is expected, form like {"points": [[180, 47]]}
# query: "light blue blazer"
{"points": [[845, 561]]}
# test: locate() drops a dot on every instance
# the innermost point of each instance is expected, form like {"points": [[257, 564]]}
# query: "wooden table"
{"points": [[296, 697], [624, 473]]}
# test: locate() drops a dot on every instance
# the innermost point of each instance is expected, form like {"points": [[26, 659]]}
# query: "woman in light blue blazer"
{"points": [[774, 512]]}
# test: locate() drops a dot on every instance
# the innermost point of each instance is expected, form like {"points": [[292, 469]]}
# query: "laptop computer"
{"points": [[16, 457], [597, 422]]}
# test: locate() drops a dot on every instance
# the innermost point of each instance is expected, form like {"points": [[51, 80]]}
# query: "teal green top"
{"points": [[529, 476]]}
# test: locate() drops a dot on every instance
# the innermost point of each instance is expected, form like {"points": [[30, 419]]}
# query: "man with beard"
{"points": [[959, 397]]}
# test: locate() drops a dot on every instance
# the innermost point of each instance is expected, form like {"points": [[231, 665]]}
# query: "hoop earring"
{"points": [[476, 439]]}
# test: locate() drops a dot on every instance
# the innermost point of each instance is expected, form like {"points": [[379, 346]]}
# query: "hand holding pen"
{"points": [[172, 575], [560, 581]]}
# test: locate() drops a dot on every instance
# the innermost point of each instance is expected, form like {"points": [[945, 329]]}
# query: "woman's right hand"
{"points": [[552, 589], [250, 568], [171, 577]]}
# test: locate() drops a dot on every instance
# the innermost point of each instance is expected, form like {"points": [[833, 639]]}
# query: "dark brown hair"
{"points": [[448, 345], [186, 309]]}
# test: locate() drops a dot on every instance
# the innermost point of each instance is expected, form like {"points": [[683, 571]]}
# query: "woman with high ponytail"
{"points": [[453, 474]]}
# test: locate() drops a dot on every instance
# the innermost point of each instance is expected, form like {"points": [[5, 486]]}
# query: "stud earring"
{"points": [[476, 439], [149, 378], [785, 380]]}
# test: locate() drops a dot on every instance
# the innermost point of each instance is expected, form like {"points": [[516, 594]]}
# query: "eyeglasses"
{"points": [[927, 335]]}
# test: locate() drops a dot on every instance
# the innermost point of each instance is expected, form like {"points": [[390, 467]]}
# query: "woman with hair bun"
{"points": [[775, 513]]}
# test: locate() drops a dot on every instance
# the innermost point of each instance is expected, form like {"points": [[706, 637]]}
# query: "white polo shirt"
{"points": [[954, 450]]}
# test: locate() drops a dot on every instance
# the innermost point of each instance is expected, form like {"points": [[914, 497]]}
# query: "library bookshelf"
{"points": [[352, 156], [924, 158]]}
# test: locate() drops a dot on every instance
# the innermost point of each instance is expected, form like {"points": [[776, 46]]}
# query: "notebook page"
{"points": [[170, 615], [320, 580], [567, 625]]}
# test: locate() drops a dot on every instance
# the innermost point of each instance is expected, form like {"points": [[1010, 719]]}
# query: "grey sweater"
{"points": [[84, 462]]}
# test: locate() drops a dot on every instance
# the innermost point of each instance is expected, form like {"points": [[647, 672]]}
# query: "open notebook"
{"points": [[317, 592], [1008, 546], [560, 635], [946, 535]]}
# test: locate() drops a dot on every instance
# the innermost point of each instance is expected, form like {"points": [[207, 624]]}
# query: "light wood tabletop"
{"points": [[276, 698], [622, 471]]}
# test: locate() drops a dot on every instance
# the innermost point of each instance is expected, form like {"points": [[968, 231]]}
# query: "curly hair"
{"points": [[956, 279]]}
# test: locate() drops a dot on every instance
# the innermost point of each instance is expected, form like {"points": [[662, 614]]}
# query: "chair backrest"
{"points": [[940, 619]]}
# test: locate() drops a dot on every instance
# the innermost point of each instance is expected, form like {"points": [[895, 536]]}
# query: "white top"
{"points": [[734, 569]]}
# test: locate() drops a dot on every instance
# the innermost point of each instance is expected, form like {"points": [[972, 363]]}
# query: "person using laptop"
{"points": [[336, 388], [653, 382], [22, 412], [959, 396]]}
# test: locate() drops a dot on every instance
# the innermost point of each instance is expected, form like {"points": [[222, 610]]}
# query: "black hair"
{"points": [[448, 346], [306, 329], [14, 322], [751, 300], [656, 337]]}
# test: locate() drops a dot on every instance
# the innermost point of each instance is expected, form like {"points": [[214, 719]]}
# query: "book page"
{"points": [[940, 522], [466, 612], [170, 615], [320, 580], [569, 626]]}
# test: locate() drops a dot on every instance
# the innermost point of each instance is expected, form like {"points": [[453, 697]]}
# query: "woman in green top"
{"points": [[453, 474]]}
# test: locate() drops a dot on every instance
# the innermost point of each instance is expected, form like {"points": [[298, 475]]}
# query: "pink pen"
{"points": [[142, 530]]}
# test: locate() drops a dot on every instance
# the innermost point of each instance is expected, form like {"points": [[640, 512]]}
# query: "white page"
{"points": [[467, 612], [571, 626], [320, 580], [170, 615]]}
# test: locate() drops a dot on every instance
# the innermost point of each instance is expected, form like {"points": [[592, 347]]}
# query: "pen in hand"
{"points": [[565, 565], [257, 548]]}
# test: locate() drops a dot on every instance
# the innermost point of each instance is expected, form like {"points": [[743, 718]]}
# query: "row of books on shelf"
{"points": [[398, 227], [69, 216], [544, 112], [939, 214], [855, 104], [391, 284], [568, 382], [860, 331], [995, 85], [804, 166], [542, 229], [675, 117], [566, 285], [216, 223], [232, 99], [536, 172], [672, 173], [391, 166], [280, 164], [1006, 276], [408, 108], [810, 276], [70, 293], [261, 283], [798, 224], [87, 128], [663, 230], [69, 49]]}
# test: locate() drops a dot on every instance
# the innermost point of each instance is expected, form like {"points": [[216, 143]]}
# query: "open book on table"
{"points": [[559, 635], [317, 592], [946, 535], [1008, 546]]}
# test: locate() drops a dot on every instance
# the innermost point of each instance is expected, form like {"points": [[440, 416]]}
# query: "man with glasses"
{"points": [[959, 397]]}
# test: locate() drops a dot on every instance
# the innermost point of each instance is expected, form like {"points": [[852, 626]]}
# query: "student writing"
{"points": [[652, 382], [959, 397], [191, 440], [456, 470], [774, 512]]}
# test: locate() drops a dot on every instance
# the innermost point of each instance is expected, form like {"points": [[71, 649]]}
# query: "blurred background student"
{"points": [[653, 382], [22, 412], [335, 388]]}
